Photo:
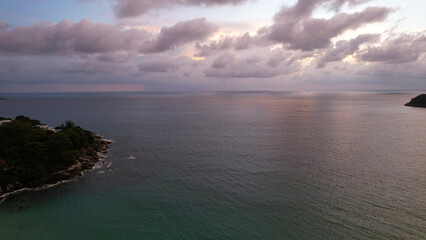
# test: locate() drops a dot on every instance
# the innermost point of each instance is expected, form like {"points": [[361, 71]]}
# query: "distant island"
{"points": [[34, 156], [419, 101]]}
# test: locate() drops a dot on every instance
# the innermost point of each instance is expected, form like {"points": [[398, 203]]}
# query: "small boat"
{"points": [[131, 157]]}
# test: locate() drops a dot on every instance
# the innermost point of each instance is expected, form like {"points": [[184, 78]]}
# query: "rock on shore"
{"points": [[419, 101]]}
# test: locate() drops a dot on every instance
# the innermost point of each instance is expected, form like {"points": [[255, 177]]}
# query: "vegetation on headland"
{"points": [[32, 154], [419, 101]]}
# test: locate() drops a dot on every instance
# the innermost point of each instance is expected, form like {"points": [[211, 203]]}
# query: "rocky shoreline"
{"points": [[86, 161]]}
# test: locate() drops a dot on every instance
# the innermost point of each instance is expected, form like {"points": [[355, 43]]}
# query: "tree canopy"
{"points": [[29, 152]]}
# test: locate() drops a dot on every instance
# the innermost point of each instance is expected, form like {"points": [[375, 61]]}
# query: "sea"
{"points": [[232, 165]]}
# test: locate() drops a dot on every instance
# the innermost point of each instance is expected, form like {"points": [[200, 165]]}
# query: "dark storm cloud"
{"points": [[133, 8], [403, 49], [179, 34], [345, 48]]}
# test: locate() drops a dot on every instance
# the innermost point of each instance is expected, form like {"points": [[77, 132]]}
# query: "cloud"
{"points": [[229, 65], [86, 37], [285, 53], [410, 75], [242, 42], [336, 5], [224, 61], [142, 66], [293, 27], [402, 49], [179, 34], [89, 65], [3, 26], [64, 38], [116, 57], [345, 48], [160, 64], [279, 57], [134, 8], [204, 50], [12, 65]]}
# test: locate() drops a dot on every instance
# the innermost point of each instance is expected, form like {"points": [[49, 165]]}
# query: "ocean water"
{"points": [[241, 165]]}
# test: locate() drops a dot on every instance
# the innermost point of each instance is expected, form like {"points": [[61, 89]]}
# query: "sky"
{"points": [[212, 45]]}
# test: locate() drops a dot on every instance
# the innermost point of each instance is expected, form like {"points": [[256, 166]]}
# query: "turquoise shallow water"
{"points": [[233, 166]]}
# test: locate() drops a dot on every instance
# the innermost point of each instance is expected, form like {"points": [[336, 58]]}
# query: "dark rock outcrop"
{"points": [[419, 101]]}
